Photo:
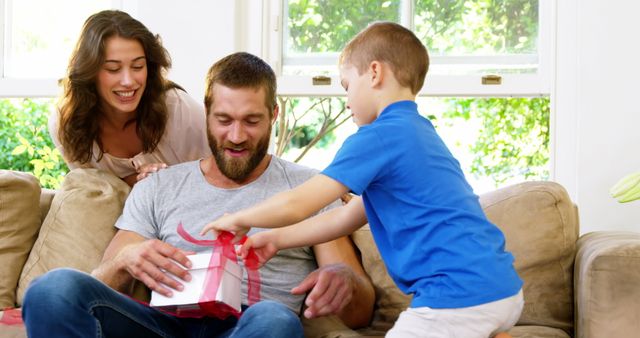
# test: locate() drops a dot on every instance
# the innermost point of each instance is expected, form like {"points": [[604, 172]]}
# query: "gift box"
{"points": [[214, 289]]}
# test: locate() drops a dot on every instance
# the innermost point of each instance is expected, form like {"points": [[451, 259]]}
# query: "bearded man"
{"points": [[240, 102]]}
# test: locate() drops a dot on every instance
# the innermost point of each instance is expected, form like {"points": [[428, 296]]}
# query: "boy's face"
{"points": [[359, 94]]}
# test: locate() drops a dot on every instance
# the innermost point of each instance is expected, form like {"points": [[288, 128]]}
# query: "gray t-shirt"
{"points": [[180, 193]]}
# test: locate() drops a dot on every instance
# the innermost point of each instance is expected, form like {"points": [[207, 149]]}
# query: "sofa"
{"points": [[574, 286]]}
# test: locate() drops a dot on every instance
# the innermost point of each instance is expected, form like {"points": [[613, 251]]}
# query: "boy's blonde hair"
{"points": [[394, 45]]}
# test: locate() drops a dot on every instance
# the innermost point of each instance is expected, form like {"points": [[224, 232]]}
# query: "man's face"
{"points": [[239, 129]]}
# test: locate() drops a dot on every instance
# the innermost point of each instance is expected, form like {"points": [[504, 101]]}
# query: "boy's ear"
{"points": [[375, 73]]}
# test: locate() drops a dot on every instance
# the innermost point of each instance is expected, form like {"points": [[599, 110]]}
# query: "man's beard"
{"points": [[238, 169]]}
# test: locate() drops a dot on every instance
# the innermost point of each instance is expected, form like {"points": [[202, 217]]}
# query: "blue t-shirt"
{"points": [[427, 223]]}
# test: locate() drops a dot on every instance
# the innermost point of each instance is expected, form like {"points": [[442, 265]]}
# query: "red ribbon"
{"points": [[11, 316], [223, 249]]}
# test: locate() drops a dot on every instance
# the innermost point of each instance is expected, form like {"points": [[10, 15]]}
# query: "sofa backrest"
{"points": [[540, 223]]}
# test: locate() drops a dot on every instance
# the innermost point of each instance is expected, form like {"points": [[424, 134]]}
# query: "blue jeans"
{"points": [[69, 303]]}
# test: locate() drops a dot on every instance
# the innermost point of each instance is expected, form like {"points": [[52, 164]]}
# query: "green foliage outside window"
{"points": [[477, 27], [511, 142], [326, 25], [305, 123], [444, 26], [513, 138], [25, 144]]}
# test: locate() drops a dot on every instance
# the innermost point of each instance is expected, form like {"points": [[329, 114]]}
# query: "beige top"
{"points": [[185, 139]]}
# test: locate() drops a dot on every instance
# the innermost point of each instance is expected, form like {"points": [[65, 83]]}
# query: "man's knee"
{"points": [[274, 318], [269, 308], [59, 285]]}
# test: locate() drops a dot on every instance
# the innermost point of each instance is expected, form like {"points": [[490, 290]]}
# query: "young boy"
{"points": [[427, 223]]}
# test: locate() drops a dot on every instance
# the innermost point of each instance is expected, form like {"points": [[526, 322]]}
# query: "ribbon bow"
{"points": [[223, 249]]}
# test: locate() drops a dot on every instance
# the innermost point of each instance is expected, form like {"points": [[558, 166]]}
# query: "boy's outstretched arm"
{"points": [[327, 226], [282, 209]]}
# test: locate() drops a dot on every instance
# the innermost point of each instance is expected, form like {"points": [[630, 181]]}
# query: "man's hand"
{"points": [[153, 262], [146, 169], [228, 222], [332, 288]]}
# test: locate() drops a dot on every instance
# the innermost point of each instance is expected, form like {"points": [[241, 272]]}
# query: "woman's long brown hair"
{"points": [[79, 109]]}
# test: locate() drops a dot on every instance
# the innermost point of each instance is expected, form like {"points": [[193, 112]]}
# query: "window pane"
{"points": [[26, 144], [315, 29], [39, 43], [480, 35], [464, 37], [497, 141]]}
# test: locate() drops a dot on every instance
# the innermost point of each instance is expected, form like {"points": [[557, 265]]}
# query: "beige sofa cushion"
{"points": [[390, 301], [19, 224], [79, 225], [540, 224], [526, 331]]}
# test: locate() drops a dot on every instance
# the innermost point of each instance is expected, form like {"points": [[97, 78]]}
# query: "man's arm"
{"points": [[339, 286], [130, 255]]}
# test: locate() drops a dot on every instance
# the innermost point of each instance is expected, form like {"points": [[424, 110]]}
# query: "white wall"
{"points": [[196, 33], [597, 108]]}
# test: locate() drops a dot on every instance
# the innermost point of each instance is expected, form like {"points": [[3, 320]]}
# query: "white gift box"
{"points": [[188, 299]]}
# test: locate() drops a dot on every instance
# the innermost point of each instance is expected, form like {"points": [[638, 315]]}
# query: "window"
{"points": [[36, 44], [499, 132], [466, 39]]}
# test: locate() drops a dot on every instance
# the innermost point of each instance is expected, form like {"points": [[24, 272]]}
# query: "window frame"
{"points": [[513, 85], [35, 87]]}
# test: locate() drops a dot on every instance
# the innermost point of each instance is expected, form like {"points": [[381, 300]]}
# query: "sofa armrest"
{"points": [[607, 285]]}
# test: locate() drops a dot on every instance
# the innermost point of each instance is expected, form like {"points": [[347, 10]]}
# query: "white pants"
{"points": [[480, 321]]}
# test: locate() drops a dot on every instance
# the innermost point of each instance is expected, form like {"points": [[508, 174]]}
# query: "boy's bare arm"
{"points": [[284, 208], [321, 228], [327, 226]]}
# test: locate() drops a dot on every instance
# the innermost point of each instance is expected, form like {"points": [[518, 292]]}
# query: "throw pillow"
{"points": [[79, 225], [19, 224]]}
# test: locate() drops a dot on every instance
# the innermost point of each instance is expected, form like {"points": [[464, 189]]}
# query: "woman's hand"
{"points": [[146, 169]]}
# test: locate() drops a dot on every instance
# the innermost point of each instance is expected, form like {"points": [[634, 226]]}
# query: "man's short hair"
{"points": [[242, 70], [394, 45]]}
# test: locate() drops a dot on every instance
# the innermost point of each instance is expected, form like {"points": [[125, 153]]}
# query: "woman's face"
{"points": [[123, 76]]}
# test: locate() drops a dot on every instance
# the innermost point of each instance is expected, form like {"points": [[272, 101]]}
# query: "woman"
{"points": [[118, 112]]}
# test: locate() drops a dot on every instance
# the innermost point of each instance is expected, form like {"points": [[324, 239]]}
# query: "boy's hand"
{"points": [[263, 246], [228, 222]]}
